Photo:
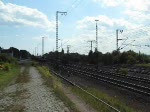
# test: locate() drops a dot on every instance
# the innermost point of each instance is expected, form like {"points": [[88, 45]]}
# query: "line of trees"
{"points": [[16, 53], [126, 57]]}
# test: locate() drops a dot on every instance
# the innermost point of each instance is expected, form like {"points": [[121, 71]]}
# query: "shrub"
{"points": [[1, 67], [34, 63], [7, 67], [7, 59], [124, 71]]}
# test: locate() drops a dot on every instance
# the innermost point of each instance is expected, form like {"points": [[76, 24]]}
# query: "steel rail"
{"points": [[115, 109], [120, 75], [115, 82]]}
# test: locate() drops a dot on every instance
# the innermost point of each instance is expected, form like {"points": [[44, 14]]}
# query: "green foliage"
{"points": [[108, 59], [24, 54], [7, 76], [7, 67], [131, 60], [34, 63], [123, 71], [126, 57], [5, 58], [143, 65], [16, 52]]}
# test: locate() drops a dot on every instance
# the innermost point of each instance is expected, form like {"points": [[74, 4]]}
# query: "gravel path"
{"points": [[32, 96]]}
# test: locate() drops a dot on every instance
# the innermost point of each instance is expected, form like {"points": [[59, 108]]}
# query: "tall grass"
{"points": [[143, 65], [55, 83], [97, 104], [7, 76]]}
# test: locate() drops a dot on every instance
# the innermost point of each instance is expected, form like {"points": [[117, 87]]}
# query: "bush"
{"points": [[124, 71], [7, 59], [1, 67], [6, 67], [131, 60], [34, 63]]}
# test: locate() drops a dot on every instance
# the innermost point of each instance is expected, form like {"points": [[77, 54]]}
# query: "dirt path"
{"points": [[32, 96], [80, 104]]}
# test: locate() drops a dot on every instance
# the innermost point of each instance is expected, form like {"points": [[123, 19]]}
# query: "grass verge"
{"points": [[7, 76], [143, 65], [98, 105], [56, 84]]}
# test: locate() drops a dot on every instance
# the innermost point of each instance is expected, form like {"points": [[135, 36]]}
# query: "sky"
{"points": [[23, 23]]}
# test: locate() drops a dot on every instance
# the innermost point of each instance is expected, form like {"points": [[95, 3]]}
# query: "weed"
{"points": [[15, 108], [143, 65], [123, 71], [7, 76], [23, 77]]}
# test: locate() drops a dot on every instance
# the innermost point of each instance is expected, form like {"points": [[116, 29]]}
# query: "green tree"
{"points": [[131, 60]]}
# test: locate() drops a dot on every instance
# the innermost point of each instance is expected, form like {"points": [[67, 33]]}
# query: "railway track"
{"points": [[100, 100], [139, 88], [102, 72]]}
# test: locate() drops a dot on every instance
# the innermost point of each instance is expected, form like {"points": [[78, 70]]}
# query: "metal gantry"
{"points": [[96, 35], [43, 45], [91, 43], [62, 13]]}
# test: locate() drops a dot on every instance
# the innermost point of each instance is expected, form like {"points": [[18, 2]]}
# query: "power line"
{"points": [[74, 5]]}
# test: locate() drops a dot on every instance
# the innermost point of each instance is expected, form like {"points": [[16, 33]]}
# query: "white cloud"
{"points": [[14, 15], [135, 9], [109, 3], [107, 33], [104, 22], [137, 16], [138, 5]]}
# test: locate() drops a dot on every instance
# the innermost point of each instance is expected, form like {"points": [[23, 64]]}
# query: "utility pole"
{"points": [[61, 43], [96, 35], [35, 51], [117, 39], [91, 41], [42, 46], [38, 49], [68, 48], [62, 13]]}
